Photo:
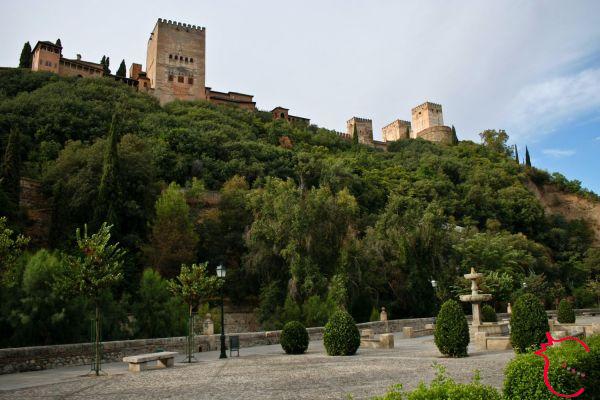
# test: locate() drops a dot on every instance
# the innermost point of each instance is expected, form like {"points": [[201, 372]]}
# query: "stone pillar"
{"points": [[208, 326], [476, 314], [383, 314], [509, 309]]}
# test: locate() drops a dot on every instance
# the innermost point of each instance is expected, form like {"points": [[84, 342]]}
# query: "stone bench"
{"points": [[385, 341], [410, 332], [164, 359], [491, 343]]}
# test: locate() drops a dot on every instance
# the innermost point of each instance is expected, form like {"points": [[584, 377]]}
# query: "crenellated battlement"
{"points": [[398, 121], [426, 105], [180, 25], [358, 119]]}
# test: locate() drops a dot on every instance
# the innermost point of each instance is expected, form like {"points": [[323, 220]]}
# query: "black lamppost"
{"points": [[221, 274], [435, 293]]}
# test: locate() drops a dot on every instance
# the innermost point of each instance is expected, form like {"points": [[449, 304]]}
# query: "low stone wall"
{"points": [[21, 359]]}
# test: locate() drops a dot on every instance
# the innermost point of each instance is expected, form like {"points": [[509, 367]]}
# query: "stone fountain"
{"points": [[475, 298], [487, 335]]}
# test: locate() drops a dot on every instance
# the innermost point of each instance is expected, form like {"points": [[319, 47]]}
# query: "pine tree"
{"points": [[11, 167], [122, 71], [516, 154], [25, 59], [454, 136], [109, 191], [527, 158], [58, 43]]}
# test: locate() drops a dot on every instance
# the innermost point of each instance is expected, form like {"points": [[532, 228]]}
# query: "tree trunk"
{"points": [[190, 337], [97, 342]]}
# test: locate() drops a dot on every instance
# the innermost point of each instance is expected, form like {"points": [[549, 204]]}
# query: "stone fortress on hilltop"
{"points": [[176, 70], [427, 123]]}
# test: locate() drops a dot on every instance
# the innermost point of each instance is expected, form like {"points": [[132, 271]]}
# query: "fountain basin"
{"points": [[475, 298]]}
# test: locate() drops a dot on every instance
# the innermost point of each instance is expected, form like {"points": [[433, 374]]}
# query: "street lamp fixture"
{"points": [[221, 274], [433, 283]]}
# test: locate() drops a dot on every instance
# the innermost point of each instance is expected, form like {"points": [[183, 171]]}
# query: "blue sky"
{"points": [[530, 67]]}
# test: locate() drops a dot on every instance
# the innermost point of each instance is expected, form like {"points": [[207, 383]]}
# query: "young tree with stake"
{"points": [[96, 268]]}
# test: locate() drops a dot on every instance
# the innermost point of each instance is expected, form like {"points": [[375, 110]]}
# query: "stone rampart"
{"points": [[438, 134]]}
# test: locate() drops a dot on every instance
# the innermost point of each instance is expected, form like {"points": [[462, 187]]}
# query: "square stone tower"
{"points": [[396, 130], [175, 61], [46, 57], [364, 127], [425, 116]]}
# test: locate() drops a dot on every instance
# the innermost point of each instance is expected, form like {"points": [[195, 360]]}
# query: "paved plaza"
{"points": [[265, 372], [262, 372]]}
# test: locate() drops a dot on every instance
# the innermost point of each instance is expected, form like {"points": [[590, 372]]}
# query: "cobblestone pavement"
{"points": [[262, 372]]}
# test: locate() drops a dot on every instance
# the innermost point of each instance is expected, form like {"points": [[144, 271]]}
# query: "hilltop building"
{"points": [[176, 70], [175, 66], [427, 123], [282, 113]]}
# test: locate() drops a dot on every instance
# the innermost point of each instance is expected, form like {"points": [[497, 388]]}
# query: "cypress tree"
{"points": [[122, 71], [516, 154], [527, 158], [355, 135], [454, 136], [109, 191], [25, 59], [11, 167], [58, 43], [105, 62]]}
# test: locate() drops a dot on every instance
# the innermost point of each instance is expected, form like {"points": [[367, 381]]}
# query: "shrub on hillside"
{"points": [[444, 387], [341, 336], [452, 330], [566, 314], [488, 314], [524, 377], [294, 338], [528, 323]]}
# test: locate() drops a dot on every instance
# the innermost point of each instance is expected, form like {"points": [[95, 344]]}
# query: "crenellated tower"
{"points": [[175, 61]]}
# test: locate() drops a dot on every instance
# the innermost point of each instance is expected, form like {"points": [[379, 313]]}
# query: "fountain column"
{"points": [[475, 298]]}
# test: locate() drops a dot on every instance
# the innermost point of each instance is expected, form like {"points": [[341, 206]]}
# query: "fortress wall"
{"points": [[438, 134]]}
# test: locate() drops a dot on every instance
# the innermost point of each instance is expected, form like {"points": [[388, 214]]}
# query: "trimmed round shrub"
{"points": [[341, 336], [488, 314], [528, 323], [566, 314], [524, 375], [452, 330], [294, 338]]}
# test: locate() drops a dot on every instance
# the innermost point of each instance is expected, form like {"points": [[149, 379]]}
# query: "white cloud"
{"points": [[542, 107], [558, 153], [597, 138]]}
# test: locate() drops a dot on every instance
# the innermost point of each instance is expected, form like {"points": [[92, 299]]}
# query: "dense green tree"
{"points": [[10, 176], [25, 58], [156, 312], [517, 155], [527, 157], [122, 71], [11, 248], [109, 192], [495, 140], [58, 42], [172, 239]]}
